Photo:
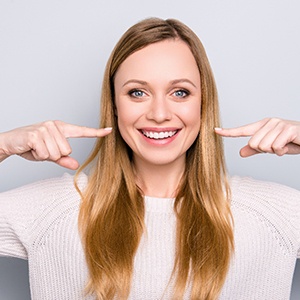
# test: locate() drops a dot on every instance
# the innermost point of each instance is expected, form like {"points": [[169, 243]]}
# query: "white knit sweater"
{"points": [[38, 222]]}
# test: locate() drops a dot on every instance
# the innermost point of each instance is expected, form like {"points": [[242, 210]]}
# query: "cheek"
{"points": [[191, 115], [127, 116], [129, 113], [122, 112], [123, 122]]}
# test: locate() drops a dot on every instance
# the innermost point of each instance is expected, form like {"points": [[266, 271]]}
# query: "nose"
{"points": [[159, 110]]}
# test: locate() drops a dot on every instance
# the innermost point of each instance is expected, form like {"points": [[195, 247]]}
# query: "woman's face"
{"points": [[158, 102]]}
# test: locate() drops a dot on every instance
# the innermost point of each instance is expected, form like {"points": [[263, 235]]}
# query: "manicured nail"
{"points": [[218, 128], [108, 128]]}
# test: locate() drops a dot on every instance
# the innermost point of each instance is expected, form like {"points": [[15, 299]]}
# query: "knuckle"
{"points": [[252, 144], [291, 128], [54, 157], [33, 136], [263, 149], [275, 120], [60, 125], [66, 152], [44, 127], [42, 156], [278, 151], [266, 120], [57, 123], [43, 130], [48, 124]]}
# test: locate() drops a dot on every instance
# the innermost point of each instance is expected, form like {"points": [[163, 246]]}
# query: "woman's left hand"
{"points": [[271, 135]]}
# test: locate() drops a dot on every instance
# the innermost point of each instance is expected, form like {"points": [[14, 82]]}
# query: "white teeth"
{"points": [[159, 135]]}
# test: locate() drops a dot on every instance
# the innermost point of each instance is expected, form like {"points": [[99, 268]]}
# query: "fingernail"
{"points": [[218, 128], [108, 128]]}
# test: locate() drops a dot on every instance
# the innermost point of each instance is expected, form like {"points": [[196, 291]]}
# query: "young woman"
{"points": [[156, 217]]}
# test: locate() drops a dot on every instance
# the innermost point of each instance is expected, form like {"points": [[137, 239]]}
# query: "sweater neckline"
{"points": [[156, 204]]}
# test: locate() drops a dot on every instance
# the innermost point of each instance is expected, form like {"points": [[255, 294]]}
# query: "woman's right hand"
{"points": [[46, 141]]}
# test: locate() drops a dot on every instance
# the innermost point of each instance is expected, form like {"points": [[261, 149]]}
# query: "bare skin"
{"points": [[47, 141], [270, 135]]}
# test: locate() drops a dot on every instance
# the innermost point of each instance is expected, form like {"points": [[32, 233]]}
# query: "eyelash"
{"points": [[186, 93], [132, 92]]}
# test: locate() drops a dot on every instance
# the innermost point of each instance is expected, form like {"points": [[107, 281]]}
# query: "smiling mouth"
{"points": [[159, 135]]}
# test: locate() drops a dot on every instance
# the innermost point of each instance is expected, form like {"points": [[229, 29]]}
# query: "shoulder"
{"points": [[250, 188], [31, 214], [266, 202], [46, 186], [266, 211], [31, 200]]}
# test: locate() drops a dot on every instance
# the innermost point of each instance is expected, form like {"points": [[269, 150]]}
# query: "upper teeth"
{"points": [[159, 135]]}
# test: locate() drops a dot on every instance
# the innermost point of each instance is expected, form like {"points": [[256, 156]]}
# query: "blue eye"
{"points": [[136, 93], [181, 93]]}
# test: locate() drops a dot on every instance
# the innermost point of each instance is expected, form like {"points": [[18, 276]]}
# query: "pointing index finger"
{"points": [[242, 131], [87, 132], [75, 131]]}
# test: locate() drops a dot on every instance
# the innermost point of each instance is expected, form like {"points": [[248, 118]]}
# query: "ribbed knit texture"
{"points": [[38, 222]]}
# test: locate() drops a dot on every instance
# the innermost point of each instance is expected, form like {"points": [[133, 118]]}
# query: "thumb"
{"points": [[68, 162], [247, 151]]}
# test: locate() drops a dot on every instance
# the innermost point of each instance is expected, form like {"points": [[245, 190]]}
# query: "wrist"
{"points": [[3, 153]]}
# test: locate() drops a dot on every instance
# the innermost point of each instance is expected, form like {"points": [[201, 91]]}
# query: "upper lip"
{"points": [[159, 129]]}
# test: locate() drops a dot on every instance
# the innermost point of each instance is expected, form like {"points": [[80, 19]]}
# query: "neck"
{"points": [[159, 180]]}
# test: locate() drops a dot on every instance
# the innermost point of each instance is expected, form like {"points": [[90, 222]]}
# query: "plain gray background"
{"points": [[53, 53]]}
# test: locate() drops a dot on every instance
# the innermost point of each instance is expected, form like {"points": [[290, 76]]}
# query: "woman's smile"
{"points": [[159, 136]]}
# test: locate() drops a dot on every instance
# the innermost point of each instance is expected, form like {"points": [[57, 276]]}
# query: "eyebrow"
{"points": [[182, 80], [135, 81], [173, 82]]}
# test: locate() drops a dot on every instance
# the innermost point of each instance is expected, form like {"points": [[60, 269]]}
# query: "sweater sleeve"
{"points": [[14, 218], [288, 201], [21, 208]]}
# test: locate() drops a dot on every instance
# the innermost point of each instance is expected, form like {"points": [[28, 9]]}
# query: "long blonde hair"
{"points": [[111, 218]]}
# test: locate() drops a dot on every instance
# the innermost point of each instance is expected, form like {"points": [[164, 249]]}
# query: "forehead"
{"points": [[166, 60]]}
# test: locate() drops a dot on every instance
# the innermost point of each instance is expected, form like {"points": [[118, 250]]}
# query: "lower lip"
{"points": [[159, 142]]}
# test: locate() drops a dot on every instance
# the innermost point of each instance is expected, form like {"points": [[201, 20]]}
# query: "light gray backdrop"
{"points": [[52, 56]]}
